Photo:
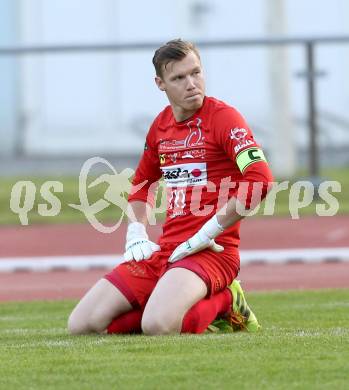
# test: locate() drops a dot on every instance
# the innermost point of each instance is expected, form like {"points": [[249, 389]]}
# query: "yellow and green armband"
{"points": [[249, 156]]}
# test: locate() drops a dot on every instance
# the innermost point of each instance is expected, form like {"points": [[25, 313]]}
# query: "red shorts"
{"points": [[136, 280]]}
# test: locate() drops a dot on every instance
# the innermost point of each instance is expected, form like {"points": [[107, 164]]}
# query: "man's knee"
{"points": [[153, 325], [78, 325]]}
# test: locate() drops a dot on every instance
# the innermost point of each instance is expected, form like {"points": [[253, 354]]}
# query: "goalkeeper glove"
{"points": [[138, 246], [203, 239]]}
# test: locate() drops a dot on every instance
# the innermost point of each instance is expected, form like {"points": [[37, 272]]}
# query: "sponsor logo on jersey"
{"points": [[173, 157], [171, 145], [194, 153], [238, 133], [194, 138], [183, 175], [187, 154], [191, 154], [242, 145], [162, 158]]}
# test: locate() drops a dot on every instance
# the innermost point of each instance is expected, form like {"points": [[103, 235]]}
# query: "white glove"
{"points": [[138, 246], [203, 239]]}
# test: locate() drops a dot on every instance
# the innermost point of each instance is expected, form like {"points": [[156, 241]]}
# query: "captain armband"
{"points": [[248, 157]]}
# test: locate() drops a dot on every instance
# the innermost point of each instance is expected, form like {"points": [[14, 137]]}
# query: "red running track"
{"points": [[259, 233], [256, 233], [25, 286]]}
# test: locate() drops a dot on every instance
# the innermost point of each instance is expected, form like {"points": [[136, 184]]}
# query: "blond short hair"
{"points": [[174, 50]]}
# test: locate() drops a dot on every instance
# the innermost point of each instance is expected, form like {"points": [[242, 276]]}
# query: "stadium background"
{"points": [[77, 81]]}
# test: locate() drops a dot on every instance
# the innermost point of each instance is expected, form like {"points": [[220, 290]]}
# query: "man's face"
{"points": [[184, 84]]}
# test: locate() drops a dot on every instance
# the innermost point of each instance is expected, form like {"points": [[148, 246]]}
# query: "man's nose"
{"points": [[190, 83]]}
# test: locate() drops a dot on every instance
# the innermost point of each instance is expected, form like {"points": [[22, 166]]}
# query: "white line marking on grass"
{"points": [[79, 263], [339, 331], [67, 343], [36, 332], [57, 343], [321, 332]]}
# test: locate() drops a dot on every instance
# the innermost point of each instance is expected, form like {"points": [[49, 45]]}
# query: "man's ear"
{"points": [[159, 83]]}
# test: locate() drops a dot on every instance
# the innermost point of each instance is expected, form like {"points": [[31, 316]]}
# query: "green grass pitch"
{"points": [[304, 344]]}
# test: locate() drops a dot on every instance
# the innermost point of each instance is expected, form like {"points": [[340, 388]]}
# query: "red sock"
{"points": [[126, 323], [200, 316]]}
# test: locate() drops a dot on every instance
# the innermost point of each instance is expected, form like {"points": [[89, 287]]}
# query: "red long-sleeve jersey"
{"points": [[203, 160]]}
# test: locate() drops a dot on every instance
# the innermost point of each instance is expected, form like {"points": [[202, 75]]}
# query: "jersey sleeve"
{"points": [[236, 139], [147, 173]]}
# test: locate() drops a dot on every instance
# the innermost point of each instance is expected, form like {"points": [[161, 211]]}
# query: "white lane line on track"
{"points": [[307, 255]]}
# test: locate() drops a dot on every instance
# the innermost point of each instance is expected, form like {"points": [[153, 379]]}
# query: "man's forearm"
{"points": [[228, 215], [137, 212], [259, 182]]}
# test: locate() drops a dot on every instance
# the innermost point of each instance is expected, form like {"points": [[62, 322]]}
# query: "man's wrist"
{"points": [[212, 227], [136, 230]]}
